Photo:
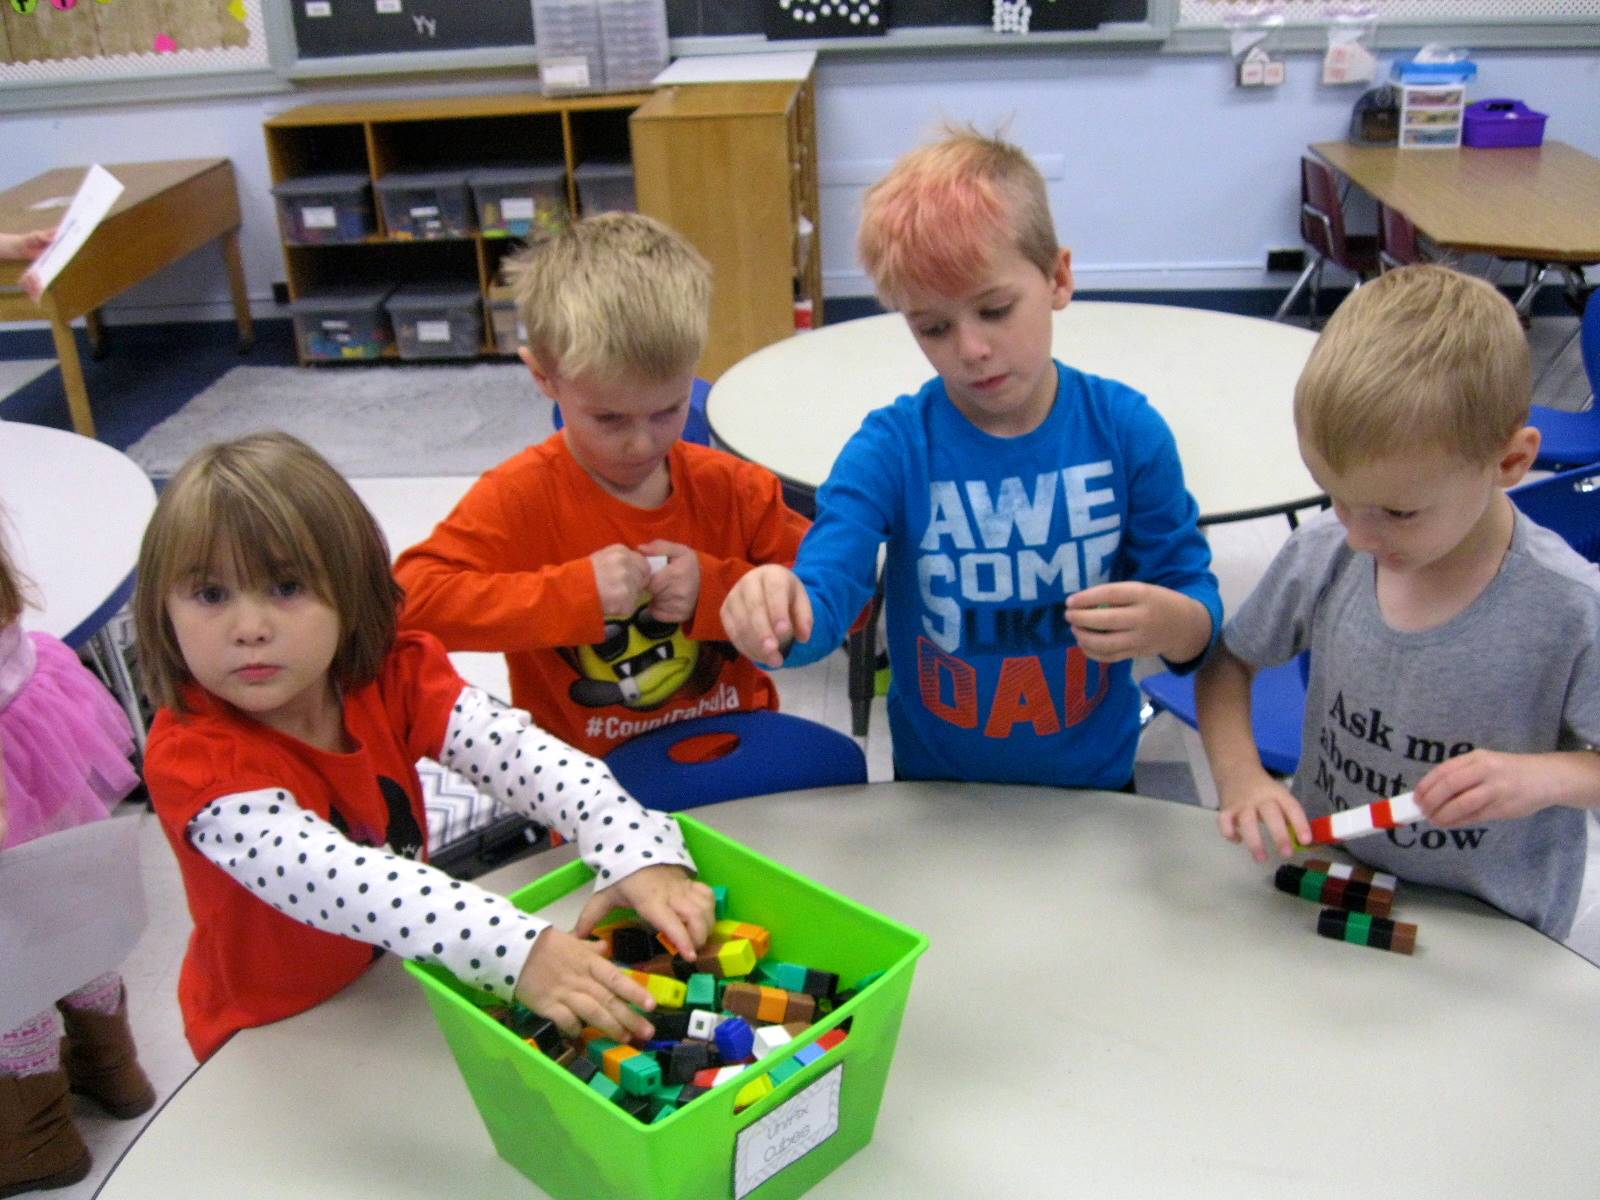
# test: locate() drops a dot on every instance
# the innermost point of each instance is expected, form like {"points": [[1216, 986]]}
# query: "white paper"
{"points": [[517, 208], [319, 216], [96, 194], [433, 331], [71, 907], [739, 68], [787, 1133], [564, 72]]}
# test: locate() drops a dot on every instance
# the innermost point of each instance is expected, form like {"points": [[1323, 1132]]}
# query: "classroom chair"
{"points": [[1398, 242], [1572, 439], [1568, 504], [696, 429], [1322, 227], [728, 757], [1277, 705]]}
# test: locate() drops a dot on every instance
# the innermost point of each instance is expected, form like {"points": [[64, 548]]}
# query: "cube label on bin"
{"points": [[787, 1133]]}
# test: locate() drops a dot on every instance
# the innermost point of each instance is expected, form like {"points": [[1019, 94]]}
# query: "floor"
{"points": [[407, 508]]}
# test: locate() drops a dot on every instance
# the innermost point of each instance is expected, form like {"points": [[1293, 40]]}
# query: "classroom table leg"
{"points": [[72, 376], [241, 299], [94, 324]]}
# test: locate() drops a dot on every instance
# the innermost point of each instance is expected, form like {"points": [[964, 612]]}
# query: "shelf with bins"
{"points": [[408, 162]]}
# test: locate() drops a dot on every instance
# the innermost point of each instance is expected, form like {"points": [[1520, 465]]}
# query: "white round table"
{"points": [[75, 511], [1224, 383], [1115, 1003]]}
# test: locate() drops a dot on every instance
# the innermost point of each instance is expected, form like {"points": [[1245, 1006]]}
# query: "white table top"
{"points": [[1115, 1003], [1224, 383], [75, 511]]}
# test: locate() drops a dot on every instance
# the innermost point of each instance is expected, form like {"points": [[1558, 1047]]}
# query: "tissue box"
{"points": [[1503, 123]]}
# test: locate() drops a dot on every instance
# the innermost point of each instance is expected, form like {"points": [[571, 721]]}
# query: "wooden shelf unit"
{"points": [[408, 135], [733, 167]]}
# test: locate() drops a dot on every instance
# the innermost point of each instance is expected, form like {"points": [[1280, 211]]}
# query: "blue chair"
{"points": [[710, 759], [1277, 704], [1572, 439], [698, 427], [1568, 504]]}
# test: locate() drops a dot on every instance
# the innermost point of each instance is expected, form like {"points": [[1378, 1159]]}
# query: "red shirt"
{"points": [[248, 964], [509, 571]]}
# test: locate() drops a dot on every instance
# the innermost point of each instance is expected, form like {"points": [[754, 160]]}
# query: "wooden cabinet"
{"points": [[459, 132], [733, 167]]}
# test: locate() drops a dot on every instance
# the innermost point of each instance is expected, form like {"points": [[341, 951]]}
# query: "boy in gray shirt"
{"points": [[1455, 645]]}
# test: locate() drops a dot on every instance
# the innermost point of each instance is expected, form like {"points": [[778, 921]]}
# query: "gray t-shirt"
{"points": [[1517, 671]]}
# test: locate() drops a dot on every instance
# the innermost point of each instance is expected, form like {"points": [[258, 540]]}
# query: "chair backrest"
{"points": [[1589, 336], [1321, 214], [729, 757], [1568, 504], [1397, 238], [696, 429]]}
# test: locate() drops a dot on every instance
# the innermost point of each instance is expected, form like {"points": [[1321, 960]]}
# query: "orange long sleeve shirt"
{"points": [[508, 570]]}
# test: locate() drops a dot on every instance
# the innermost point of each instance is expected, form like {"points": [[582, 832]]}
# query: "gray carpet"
{"points": [[368, 421]]}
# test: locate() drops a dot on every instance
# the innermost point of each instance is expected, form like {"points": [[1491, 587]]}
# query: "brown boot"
{"points": [[39, 1145], [103, 1063]]}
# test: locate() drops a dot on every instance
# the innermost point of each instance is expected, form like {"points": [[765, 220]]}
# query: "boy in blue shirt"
{"points": [[1039, 534]]}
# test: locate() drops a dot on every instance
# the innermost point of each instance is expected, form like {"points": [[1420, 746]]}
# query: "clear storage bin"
{"points": [[442, 320], [634, 35], [426, 204], [605, 187], [342, 324], [520, 201], [319, 209], [504, 322], [566, 38]]}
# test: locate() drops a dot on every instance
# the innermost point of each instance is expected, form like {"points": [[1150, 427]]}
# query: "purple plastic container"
{"points": [[1502, 123]]}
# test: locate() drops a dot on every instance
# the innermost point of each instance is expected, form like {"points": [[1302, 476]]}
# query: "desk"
{"points": [[166, 210], [1116, 1003], [74, 512], [1540, 204], [1224, 383]]}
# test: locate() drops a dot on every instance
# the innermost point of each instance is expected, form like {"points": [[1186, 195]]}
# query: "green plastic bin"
{"points": [[576, 1146]]}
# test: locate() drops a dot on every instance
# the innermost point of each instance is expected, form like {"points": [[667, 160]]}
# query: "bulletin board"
{"points": [[90, 41]]}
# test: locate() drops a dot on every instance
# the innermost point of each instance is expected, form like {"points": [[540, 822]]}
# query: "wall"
{"points": [[1162, 175]]}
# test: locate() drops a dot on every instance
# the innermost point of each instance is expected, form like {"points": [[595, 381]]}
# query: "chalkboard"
{"points": [[343, 28]]}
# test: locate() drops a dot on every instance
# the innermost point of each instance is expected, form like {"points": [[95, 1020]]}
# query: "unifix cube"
{"points": [[703, 1024], [688, 1059], [807, 1055], [794, 977], [747, 1095], [583, 1068], [1326, 889], [734, 1039], [640, 1074], [619, 936], [1378, 879], [671, 1025], [769, 1038], [536, 1030], [727, 959], [711, 1076], [701, 990], [1365, 930], [756, 935], [719, 896], [661, 964], [832, 1038], [667, 990], [1368, 819], [610, 1089], [768, 1005]]}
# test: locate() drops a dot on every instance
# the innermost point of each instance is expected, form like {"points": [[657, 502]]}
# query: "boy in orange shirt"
{"points": [[598, 560]]}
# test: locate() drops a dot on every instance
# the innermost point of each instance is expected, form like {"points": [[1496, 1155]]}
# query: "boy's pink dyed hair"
{"points": [[932, 222]]}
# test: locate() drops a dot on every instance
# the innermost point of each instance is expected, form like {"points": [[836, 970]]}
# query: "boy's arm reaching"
{"points": [[1250, 796], [766, 613], [774, 533]]}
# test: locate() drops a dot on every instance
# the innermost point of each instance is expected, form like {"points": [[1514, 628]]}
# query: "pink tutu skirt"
{"points": [[66, 743]]}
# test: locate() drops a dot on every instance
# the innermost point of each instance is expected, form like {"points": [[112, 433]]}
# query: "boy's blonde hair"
{"points": [[932, 222], [1422, 357], [611, 295], [271, 508]]}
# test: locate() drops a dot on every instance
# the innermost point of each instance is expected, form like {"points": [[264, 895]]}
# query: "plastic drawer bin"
{"points": [[605, 187], [1503, 123], [319, 209], [577, 1146], [342, 324], [519, 201], [503, 322], [437, 320], [426, 204]]}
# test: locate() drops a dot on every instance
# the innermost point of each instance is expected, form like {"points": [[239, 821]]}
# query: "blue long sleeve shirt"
{"points": [[987, 537]]}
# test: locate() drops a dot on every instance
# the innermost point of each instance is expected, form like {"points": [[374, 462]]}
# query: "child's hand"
{"points": [[25, 246], [573, 983], [622, 575], [1264, 802], [675, 588], [681, 909], [765, 611], [1116, 621], [1483, 785]]}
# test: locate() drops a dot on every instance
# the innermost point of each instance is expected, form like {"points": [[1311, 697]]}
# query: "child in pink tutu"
{"points": [[64, 746]]}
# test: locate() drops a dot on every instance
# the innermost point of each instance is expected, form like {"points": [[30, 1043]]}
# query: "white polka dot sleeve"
{"points": [[306, 869], [508, 757]]}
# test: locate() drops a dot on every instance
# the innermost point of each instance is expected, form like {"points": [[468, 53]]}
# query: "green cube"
{"points": [[640, 1074], [702, 991]]}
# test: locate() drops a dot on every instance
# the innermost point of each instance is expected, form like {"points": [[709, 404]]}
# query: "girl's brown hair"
{"points": [[12, 596], [269, 507]]}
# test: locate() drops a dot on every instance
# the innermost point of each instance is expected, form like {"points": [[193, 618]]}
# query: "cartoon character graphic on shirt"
{"points": [[643, 663], [401, 833]]}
